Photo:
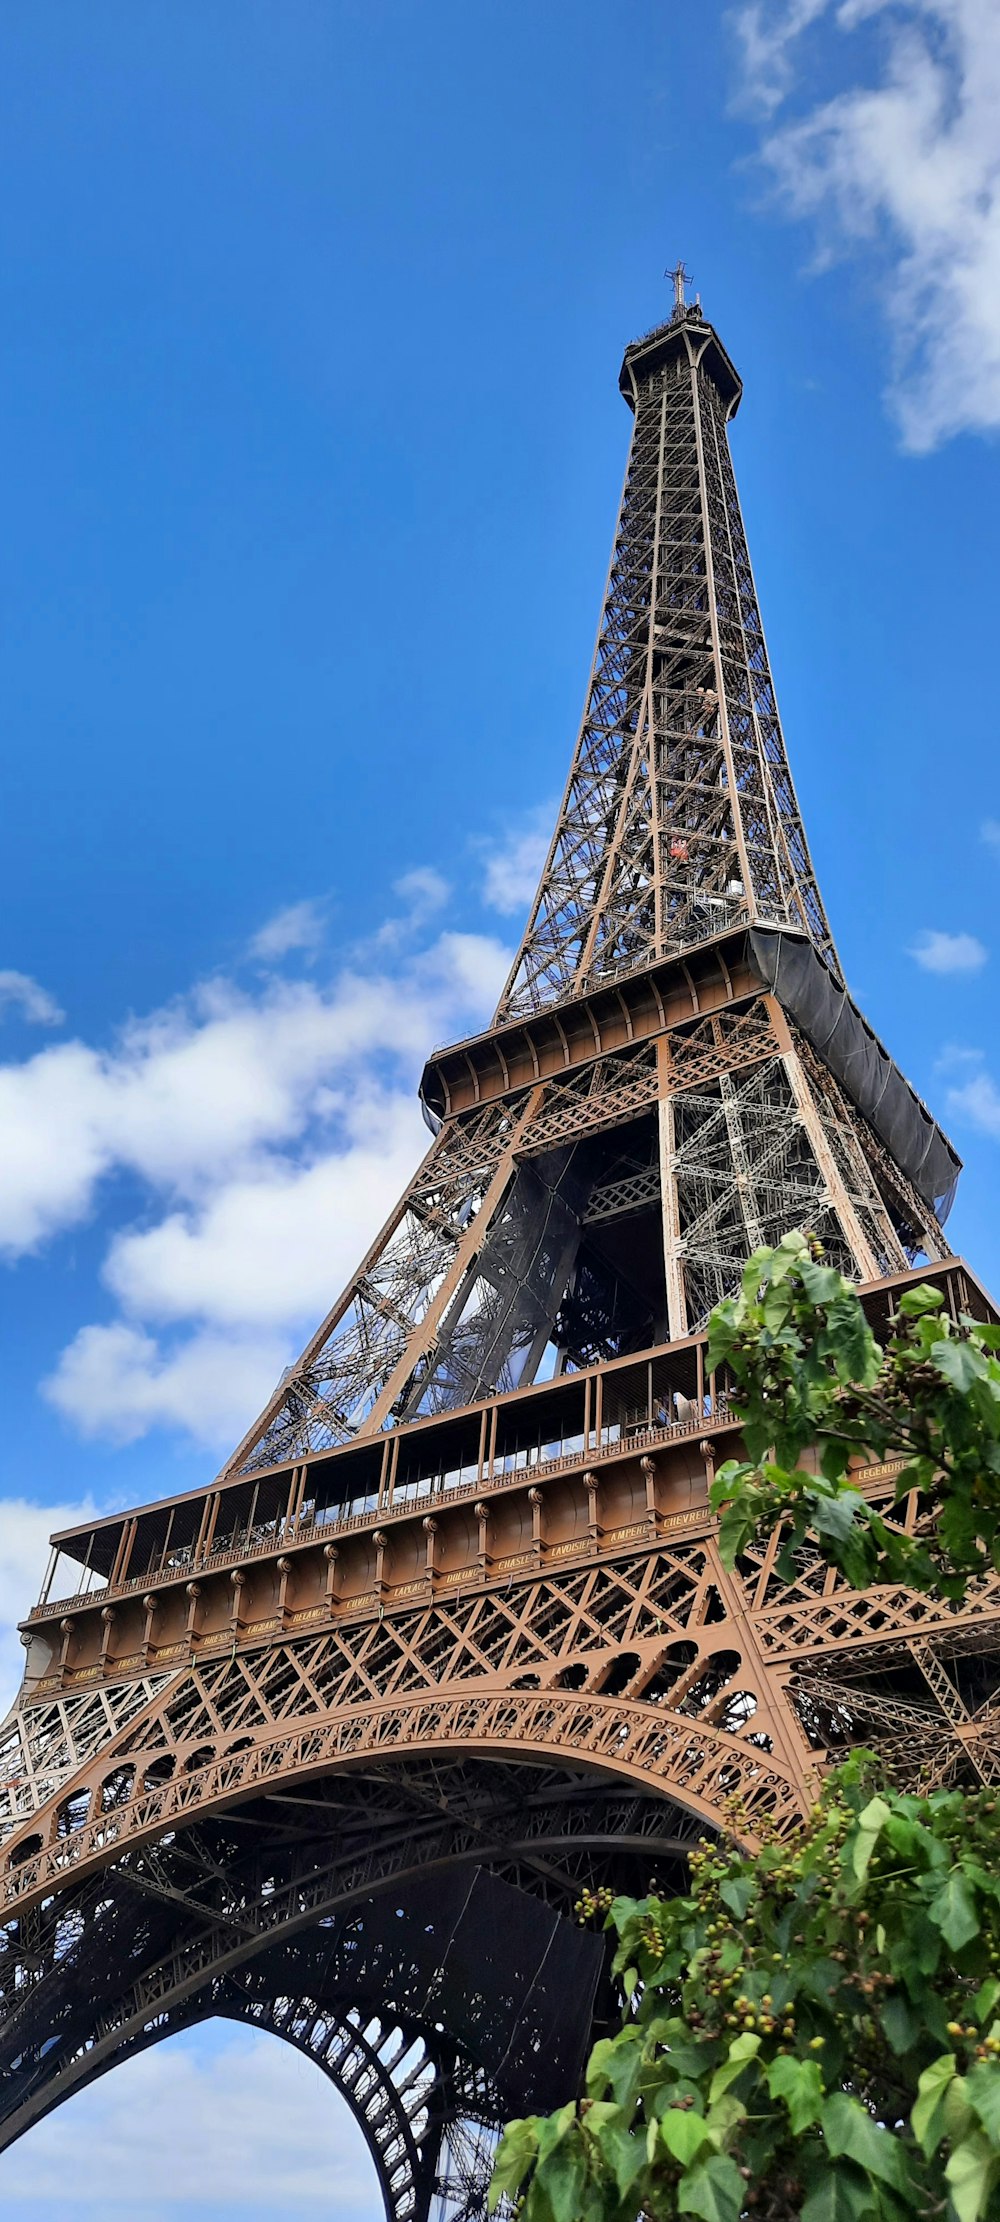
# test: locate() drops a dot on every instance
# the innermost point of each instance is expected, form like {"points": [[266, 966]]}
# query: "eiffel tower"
{"points": [[331, 1745]]}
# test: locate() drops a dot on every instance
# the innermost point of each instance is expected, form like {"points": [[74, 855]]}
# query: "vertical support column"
{"points": [[483, 1443], [393, 1468], [108, 1620], [673, 1248], [854, 1235], [742, 1176], [238, 1580], [591, 1485], [648, 1469], [536, 1499], [192, 1591], [331, 1555], [208, 1536], [149, 1605]]}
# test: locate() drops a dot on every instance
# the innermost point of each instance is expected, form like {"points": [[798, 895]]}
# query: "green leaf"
{"points": [[620, 2067], [960, 1364], [563, 2173], [986, 1997], [982, 2089], [855, 1352], [742, 2050], [851, 2133], [927, 2111], [953, 1911], [684, 2134], [870, 1824], [725, 2115], [625, 2150], [735, 1529], [727, 1481], [836, 1515], [915, 1301], [713, 2188], [821, 1282], [841, 2195], [971, 2174], [738, 1892], [800, 2084], [514, 2155], [901, 2024]]}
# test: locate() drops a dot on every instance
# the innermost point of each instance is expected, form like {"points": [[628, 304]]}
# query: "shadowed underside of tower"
{"points": [[331, 1744]]}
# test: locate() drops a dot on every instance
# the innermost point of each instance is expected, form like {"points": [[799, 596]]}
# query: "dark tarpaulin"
{"points": [[509, 1978], [794, 971]]}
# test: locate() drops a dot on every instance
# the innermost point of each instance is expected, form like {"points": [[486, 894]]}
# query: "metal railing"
{"points": [[329, 1524]]}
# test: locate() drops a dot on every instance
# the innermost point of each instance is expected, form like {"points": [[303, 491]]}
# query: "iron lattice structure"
{"points": [[331, 1745]]}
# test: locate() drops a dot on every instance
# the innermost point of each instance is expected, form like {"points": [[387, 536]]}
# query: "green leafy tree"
{"points": [[813, 2033], [811, 1378]]}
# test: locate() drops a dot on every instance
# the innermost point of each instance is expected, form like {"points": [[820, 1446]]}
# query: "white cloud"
{"points": [[19, 992], [196, 1093], [118, 1383], [990, 832], [513, 864], [263, 2133], [26, 1529], [271, 1133], [273, 1248], [943, 953], [424, 891], [299, 926], [904, 166], [768, 36], [978, 1101]]}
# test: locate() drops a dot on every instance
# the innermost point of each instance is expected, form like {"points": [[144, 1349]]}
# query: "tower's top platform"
{"points": [[690, 338]]}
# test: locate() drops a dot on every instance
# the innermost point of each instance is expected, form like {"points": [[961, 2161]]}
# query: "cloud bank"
{"points": [[266, 1132], [902, 169], [263, 2133]]}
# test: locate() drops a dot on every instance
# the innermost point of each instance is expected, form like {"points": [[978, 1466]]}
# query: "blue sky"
{"points": [[310, 442]]}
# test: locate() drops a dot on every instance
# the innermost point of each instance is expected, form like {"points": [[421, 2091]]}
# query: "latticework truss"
{"points": [[680, 817], [490, 1260]]}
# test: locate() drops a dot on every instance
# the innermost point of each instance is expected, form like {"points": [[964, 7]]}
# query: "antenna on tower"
{"points": [[681, 279]]}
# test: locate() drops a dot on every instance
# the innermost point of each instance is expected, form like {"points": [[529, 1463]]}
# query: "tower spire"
{"points": [[681, 280], [680, 815]]}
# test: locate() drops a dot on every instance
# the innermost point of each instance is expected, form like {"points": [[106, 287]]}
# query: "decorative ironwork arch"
{"points": [[686, 1759], [199, 1928]]}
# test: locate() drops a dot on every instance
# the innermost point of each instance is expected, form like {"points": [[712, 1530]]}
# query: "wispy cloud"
{"points": [[424, 891], [978, 1101], [900, 169], [990, 833], [269, 1132], [512, 864], [946, 953], [262, 2135], [299, 926], [26, 1531], [19, 992], [973, 1098]]}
